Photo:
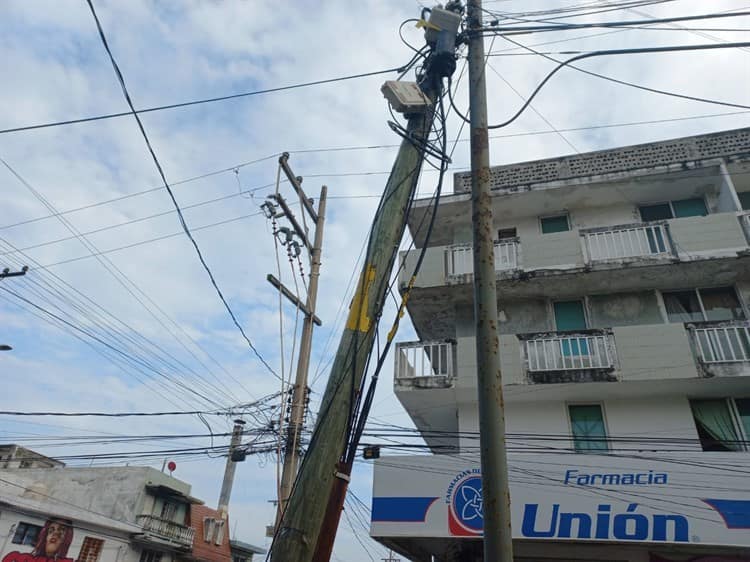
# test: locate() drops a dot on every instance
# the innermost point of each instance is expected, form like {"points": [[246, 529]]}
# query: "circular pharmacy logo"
{"points": [[466, 504]]}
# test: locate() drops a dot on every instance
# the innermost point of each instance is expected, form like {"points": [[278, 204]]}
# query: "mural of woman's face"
{"points": [[55, 535]]}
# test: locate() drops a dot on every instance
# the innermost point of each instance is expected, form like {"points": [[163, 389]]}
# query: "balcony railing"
{"points": [[424, 359], [728, 342], [459, 259], [568, 352], [166, 529], [618, 242]]}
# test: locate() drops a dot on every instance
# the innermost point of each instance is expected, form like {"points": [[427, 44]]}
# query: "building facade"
{"points": [[112, 514], [623, 285]]}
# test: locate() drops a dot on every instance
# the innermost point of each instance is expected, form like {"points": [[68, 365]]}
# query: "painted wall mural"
{"points": [[51, 545]]}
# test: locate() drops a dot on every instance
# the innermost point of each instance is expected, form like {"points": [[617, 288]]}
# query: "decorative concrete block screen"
{"points": [[640, 156]]}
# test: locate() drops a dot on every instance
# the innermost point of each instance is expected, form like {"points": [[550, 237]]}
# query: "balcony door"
{"points": [[570, 316]]}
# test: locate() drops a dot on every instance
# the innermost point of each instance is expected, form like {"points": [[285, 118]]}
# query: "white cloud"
{"points": [[54, 68]]}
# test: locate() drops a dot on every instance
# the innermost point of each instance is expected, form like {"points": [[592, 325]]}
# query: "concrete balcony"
{"points": [[569, 356], [165, 532], [425, 364], [695, 251], [641, 360]]}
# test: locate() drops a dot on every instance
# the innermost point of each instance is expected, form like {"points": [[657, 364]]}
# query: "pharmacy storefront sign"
{"points": [[568, 497]]}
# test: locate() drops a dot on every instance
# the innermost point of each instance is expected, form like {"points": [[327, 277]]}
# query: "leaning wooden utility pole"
{"points": [[309, 523], [498, 543], [294, 428]]}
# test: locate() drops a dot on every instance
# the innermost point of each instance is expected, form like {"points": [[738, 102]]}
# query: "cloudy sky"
{"points": [[83, 207]]}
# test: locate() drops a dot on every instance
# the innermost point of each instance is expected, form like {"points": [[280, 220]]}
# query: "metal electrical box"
{"points": [[441, 20], [405, 97]]}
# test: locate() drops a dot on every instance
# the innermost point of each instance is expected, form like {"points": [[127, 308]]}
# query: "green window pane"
{"points": [[587, 424], [744, 200], [715, 426], [555, 224], [690, 208], [659, 212], [569, 316], [743, 407]]}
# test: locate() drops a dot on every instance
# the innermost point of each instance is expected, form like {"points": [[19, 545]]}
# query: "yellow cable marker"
{"points": [[358, 317]]}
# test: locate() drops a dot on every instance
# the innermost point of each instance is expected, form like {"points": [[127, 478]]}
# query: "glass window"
{"points": [[658, 212], [168, 510], [715, 426], [587, 425], [721, 304], [558, 223], [683, 306], [26, 533], [743, 409], [744, 200], [569, 315], [689, 208]]}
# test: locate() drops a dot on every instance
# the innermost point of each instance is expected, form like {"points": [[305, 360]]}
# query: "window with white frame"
{"points": [[699, 305], [723, 424], [219, 532]]}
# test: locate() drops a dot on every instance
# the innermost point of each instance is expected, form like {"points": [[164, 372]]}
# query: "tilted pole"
{"points": [[299, 392], [498, 544], [322, 481], [226, 485]]}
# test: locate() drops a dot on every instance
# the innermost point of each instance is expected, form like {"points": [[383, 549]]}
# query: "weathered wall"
{"points": [[638, 418], [624, 309], [523, 316], [552, 251], [118, 493], [432, 271], [712, 233], [653, 352]]}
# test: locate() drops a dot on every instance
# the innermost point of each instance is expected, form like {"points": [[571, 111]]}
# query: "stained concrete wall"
{"points": [[524, 316], [623, 418], [659, 351], [712, 233], [624, 309], [119, 493], [432, 271], [552, 251]]}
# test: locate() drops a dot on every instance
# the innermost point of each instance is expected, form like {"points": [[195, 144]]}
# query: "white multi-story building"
{"points": [[623, 286]]}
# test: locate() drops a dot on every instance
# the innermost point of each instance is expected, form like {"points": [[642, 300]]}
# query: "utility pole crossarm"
{"points": [[289, 215], [293, 298], [284, 162], [8, 273]]}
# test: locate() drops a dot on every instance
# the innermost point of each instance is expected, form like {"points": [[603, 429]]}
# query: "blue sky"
{"points": [[54, 67]]}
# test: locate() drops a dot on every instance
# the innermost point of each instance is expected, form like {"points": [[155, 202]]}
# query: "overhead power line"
{"points": [[197, 102], [185, 228], [645, 50], [515, 30]]}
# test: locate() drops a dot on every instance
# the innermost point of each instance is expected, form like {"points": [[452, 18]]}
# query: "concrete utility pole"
{"points": [[498, 543], [321, 484], [226, 485], [300, 391]]}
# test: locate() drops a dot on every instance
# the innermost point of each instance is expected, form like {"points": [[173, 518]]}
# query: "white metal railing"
{"points": [[424, 359], [460, 259], [167, 529], [723, 344], [627, 241], [569, 352]]}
